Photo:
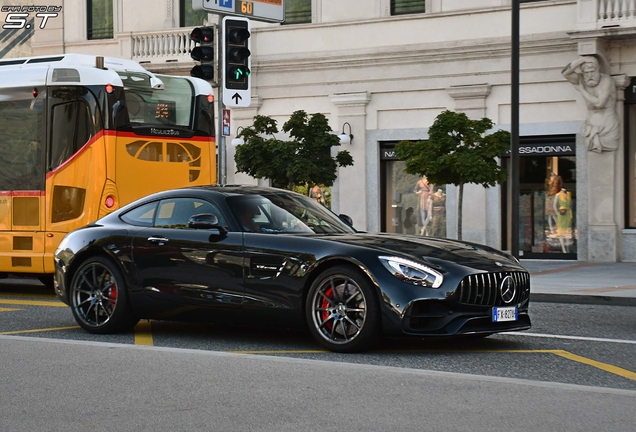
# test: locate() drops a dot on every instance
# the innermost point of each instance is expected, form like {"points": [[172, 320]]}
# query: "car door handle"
{"points": [[160, 240]]}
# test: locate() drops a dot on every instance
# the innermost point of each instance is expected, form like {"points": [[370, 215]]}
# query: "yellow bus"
{"points": [[82, 135]]}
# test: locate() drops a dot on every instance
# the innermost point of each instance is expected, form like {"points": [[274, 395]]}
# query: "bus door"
{"points": [[21, 179], [75, 163]]}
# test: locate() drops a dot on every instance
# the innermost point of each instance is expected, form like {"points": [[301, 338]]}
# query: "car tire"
{"points": [[342, 310], [99, 299]]}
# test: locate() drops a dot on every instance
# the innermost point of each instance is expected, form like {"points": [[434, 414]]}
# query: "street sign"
{"points": [[226, 122], [258, 10]]}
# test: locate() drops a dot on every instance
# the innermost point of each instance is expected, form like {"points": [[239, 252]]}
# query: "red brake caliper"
{"points": [[112, 294], [324, 305]]}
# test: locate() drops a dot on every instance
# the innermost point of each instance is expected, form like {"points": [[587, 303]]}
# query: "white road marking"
{"points": [[582, 338]]}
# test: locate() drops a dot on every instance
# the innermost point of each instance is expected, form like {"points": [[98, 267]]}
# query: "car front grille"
{"points": [[483, 289]]}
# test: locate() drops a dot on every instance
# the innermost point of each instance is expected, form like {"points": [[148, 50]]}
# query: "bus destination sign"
{"points": [[258, 10]]}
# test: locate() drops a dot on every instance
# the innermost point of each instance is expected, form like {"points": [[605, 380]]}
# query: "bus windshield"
{"points": [[172, 106]]}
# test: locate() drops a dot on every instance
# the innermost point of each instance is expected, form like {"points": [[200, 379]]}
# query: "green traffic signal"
{"points": [[239, 72]]}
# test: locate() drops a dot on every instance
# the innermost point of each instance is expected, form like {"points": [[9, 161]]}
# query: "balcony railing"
{"points": [[600, 14], [162, 46]]}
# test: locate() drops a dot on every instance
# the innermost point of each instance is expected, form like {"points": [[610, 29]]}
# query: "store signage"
{"points": [[546, 149], [388, 154]]}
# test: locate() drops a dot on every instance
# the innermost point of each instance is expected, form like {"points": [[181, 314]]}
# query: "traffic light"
{"points": [[203, 53], [236, 54]]}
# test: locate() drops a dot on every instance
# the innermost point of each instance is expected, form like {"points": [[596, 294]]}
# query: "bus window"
{"points": [[72, 127], [68, 203], [21, 146], [171, 106]]}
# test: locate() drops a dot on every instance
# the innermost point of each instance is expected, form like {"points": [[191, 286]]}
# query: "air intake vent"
{"points": [[12, 62], [483, 289], [65, 75], [46, 59]]}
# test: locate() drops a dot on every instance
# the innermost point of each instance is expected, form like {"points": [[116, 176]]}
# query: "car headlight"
{"points": [[412, 272]]}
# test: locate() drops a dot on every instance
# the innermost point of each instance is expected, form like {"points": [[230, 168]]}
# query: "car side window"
{"points": [[141, 216], [176, 212]]}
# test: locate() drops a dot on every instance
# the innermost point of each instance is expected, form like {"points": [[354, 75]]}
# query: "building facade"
{"points": [[382, 70]]}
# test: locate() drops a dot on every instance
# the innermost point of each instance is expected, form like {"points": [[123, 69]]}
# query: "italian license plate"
{"points": [[505, 314]]}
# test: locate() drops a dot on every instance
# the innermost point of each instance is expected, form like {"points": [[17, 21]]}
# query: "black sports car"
{"points": [[264, 256]]}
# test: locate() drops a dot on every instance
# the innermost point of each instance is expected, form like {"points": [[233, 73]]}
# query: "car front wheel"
{"points": [[342, 310], [99, 299]]}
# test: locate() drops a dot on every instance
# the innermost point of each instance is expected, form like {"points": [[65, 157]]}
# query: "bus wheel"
{"points": [[98, 297], [47, 280]]}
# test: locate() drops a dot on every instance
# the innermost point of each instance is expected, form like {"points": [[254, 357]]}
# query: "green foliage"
{"points": [[306, 159], [458, 151]]}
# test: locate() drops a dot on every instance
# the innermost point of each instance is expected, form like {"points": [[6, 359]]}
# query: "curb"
{"points": [[582, 299]]}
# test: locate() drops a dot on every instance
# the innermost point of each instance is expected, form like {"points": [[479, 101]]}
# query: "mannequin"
{"points": [[424, 190], [563, 210], [552, 187], [439, 213]]}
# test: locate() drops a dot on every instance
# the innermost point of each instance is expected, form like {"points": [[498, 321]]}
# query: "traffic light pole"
{"points": [[220, 139]]}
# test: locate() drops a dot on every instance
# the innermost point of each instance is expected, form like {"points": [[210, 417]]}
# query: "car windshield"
{"points": [[285, 213]]}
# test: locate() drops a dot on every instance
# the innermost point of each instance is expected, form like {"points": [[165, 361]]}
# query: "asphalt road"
{"points": [[575, 370]]}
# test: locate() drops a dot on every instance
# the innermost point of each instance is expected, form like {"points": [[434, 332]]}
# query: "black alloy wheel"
{"points": [[342, 310], [99, 299]]}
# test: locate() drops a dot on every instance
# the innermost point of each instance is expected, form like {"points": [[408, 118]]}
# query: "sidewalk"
{"points": [[582, 282]]}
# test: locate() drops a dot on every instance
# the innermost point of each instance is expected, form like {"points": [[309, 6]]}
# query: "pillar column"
{"points": [[349, 192]]}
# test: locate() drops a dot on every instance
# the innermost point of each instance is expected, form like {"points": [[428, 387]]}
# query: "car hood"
{"points": [[438, 252]]}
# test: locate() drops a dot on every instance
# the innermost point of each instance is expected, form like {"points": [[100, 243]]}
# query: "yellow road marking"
{"points": [[561, 353], [603, 366], [8, 309], [143, 334], [39, 330], [42, 296], [32, 303]]}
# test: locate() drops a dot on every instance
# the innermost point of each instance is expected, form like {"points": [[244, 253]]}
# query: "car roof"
{"points": [[241, 189]]}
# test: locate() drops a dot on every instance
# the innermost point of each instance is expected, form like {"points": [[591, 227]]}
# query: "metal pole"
{"points": [[513, 190], [220, 139]]}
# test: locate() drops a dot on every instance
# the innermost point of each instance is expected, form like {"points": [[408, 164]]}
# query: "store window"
{"points": [[297, 11], [547, 198], [100, 19], [189, 17], [401, 7], [410, 204]]}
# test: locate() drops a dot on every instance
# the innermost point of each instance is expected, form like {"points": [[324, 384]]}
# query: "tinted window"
{"points": [[284, 213], [141, 216], [72, 128], [399, 7], [100, 19], [297, 11], [176, 212], [22, 136]]}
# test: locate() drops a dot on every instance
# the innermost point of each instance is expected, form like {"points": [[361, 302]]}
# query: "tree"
{"points": [[458, 151], [305, 159]]}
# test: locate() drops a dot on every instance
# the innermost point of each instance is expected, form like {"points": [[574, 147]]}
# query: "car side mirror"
{"points": [[346, 219], [205, 221]]}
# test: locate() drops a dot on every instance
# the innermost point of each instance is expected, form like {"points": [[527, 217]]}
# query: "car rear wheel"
{"points": [[99, 299], [342, 310]]}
